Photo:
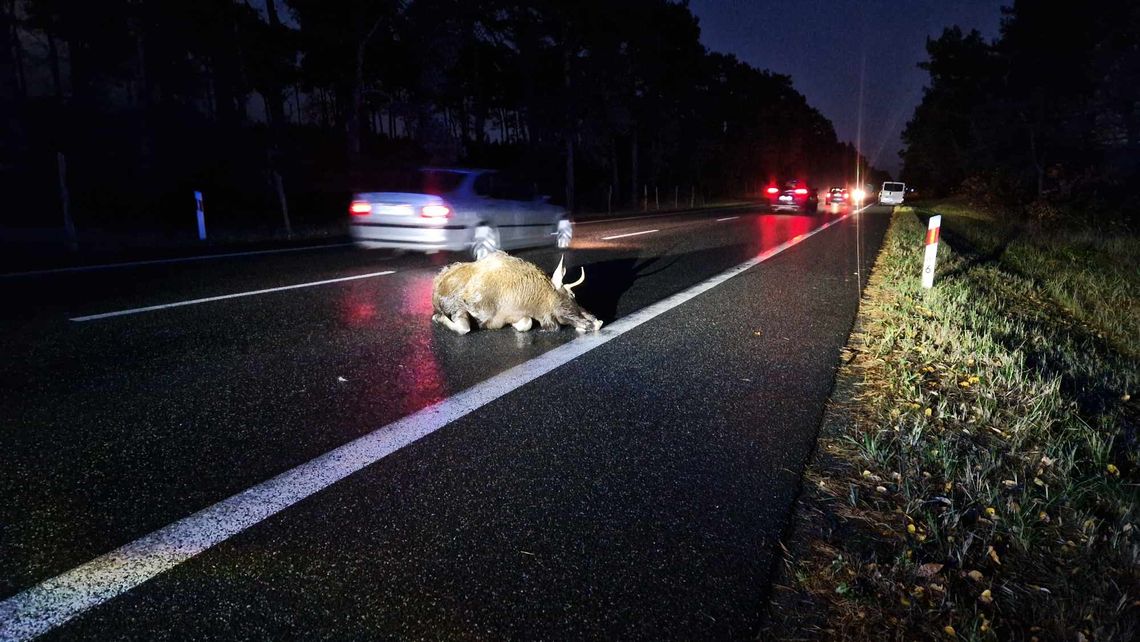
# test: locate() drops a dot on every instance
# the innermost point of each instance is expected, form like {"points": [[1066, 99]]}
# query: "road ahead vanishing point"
{"points": [[284, 445]]}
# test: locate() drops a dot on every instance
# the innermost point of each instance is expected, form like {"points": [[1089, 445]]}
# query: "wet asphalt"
{"points": [[638, 491]]}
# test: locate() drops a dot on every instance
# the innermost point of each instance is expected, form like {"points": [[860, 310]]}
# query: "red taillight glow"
{"points": [[800, 190], [435, 211], [360, 208], [773, 190]]}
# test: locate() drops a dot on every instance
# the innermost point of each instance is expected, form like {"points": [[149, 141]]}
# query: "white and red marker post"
{"points": [[932, 230]]}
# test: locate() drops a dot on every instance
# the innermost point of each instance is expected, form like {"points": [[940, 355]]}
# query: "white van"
{"points": [[892, 193]]}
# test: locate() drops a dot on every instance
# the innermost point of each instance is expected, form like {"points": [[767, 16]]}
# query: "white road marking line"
{"points": [[184, 259], [53, 602], [622, 236], [151, 308], [727, 218], [698, 210]]}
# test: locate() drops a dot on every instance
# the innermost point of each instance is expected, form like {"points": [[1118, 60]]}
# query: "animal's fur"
{"points": [[500, 290]]}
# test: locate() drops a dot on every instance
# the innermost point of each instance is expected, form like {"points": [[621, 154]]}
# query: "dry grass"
{"points": [[978, 472]]}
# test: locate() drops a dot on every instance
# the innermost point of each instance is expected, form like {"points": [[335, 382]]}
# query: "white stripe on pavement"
{"points": [[184, 259], [53, 602], [622, 236], [727, 218], [699, 210], [151, 308]]}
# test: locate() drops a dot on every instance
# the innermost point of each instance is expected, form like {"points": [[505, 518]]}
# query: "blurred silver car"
{"points": [[472, 210]]}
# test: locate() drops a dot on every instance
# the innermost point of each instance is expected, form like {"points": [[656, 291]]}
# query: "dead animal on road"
{"points": [[500, 290]]}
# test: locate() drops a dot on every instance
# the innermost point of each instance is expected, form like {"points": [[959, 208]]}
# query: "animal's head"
{"points": [[567, 311]]}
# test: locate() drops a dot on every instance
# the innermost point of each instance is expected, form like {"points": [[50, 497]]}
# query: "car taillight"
{"points": [[360, 208], [800, 190], [435, 211], [773, 190]]}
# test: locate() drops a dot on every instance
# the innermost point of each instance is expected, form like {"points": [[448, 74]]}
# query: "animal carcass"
{"points": [[500, 290]]}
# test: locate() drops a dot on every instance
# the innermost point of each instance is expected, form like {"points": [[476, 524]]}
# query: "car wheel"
{"points": [[485, 242], [564, 234]]}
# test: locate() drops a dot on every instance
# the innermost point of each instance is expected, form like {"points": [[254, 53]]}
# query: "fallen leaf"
{"points": [[976, 576], [929, 570], [986, 597], [993, 555], [949, 630]]}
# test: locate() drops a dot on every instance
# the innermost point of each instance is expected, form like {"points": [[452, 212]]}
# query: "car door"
{"points": [[493, 209], [536, 220], [509, 210]]}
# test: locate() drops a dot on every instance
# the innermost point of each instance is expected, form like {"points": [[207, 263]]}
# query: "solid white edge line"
{"points": [[184, 259], [621, 236], [727, 218], [53, 602], [163, 306]]}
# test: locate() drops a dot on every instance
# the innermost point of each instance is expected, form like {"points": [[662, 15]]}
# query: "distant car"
{"points": [[892, 193], [792, 196], [838, 195], [465, 210]]}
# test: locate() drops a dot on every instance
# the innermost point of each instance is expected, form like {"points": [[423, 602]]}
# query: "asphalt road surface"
{"points": [[632, 484]]}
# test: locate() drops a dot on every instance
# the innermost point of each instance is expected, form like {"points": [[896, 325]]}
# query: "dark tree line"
{"points": [[1047, 116], [270, 104]]}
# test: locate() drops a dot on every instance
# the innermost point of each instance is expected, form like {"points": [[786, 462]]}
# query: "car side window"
{"points": [[485, 186], [512, 188]]}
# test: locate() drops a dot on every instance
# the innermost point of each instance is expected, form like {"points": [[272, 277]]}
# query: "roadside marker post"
{"points": [[65, 200], [201, 216], [932, 231]]}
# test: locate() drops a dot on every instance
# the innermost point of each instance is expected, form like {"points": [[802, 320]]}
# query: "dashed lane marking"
{"points": [[151, 308]]}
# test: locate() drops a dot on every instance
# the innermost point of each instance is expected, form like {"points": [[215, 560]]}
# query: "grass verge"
{"points": [[977, 473]]}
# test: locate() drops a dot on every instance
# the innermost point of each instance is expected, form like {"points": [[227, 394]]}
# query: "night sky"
{"points": [[821, 43]]}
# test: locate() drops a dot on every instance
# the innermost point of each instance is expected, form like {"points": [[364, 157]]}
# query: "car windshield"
{"points": [[893, 187], [424, 181]]}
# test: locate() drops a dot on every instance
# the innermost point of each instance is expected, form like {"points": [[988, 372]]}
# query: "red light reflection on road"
{"points": [[404, 362], [420, 376], [775, 229]]}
